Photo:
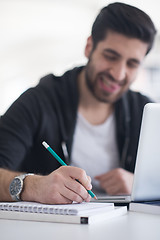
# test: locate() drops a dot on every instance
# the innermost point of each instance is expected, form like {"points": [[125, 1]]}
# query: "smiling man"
{"points": [[113, 65], [89, 117]]}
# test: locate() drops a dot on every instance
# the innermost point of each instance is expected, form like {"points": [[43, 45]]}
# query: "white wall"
{"points": [[43, 36]]}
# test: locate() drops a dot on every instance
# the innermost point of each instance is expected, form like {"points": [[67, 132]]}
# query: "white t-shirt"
{"points": [[95, 147]]}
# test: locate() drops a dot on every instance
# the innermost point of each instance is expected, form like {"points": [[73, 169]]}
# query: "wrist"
{"points": [[16, 186], [30, 188]]}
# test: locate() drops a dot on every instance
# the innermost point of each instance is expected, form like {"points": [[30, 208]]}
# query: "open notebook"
{"points": [[84, 213], [147, 170]]}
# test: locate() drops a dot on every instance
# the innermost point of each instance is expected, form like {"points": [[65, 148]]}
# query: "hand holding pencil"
{"points": [[72, 190]]}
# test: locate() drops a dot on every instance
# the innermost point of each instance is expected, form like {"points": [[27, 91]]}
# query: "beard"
{"points": [[92, 82]]}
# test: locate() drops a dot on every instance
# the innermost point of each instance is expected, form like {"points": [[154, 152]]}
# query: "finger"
{"points": [[64, 200], [71, 195], [57, 198], [98, 177], [106, 184], [111, 173], [104, 176], [89, 179], [112, 190], [77, 187], [81, 176]]}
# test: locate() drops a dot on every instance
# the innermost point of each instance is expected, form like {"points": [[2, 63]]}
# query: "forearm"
{"points": [[32, 189], [59, 187], [29, 186]]}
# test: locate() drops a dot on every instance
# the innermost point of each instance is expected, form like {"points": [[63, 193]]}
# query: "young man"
{"points": [[88, 116]]}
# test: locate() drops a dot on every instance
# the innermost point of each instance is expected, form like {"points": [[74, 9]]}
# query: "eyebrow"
{"points": [[108, 50]]}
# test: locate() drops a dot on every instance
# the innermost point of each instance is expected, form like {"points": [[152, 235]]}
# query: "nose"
{"points": [[119, 71]]}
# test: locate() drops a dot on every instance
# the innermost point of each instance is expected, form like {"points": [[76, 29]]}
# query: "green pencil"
{"points": [[63, 164]]}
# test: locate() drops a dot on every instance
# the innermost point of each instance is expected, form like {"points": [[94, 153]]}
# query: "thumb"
{"points": [[98, 177]]}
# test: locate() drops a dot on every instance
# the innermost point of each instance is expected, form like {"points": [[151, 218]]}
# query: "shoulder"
{"points": [[67, 79], [60, 88], [49, 91], [48, 80]]}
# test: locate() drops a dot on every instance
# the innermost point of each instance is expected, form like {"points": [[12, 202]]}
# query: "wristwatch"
{"points": [[16, 186]]}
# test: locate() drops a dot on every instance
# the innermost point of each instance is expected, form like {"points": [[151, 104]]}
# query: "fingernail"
{"points": [[88, 198], [89, 187]]}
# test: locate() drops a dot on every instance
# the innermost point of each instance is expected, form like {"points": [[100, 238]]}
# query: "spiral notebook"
{"points": [[84, 213]]}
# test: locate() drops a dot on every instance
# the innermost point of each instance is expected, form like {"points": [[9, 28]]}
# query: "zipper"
{"points": [[127, 131], [65, 151], [124, 152]]}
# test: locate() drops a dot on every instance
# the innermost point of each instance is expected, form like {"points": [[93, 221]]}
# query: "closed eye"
{"points": [[110, 57], [133, 64]]}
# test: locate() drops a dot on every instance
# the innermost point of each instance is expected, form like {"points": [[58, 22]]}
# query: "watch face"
{"points": [[16, 186]]}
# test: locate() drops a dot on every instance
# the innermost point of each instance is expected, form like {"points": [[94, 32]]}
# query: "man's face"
{"points": [[113, 65]]}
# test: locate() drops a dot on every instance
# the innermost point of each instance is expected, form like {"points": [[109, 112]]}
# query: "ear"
{"points": [[88, 47]]}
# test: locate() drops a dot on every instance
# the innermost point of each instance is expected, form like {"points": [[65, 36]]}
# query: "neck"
{"points": [[93, 110]]}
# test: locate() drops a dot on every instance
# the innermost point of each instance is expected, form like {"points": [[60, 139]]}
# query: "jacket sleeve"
{"points": [[18, 127]]}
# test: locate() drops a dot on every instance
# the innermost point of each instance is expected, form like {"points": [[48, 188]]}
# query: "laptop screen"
{"points": [[146, 184]]}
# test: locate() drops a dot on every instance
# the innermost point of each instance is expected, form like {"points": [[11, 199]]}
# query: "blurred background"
{"points": [[38, 37]]}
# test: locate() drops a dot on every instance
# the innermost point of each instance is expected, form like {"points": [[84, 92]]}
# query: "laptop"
{"points": [[146, 183]]}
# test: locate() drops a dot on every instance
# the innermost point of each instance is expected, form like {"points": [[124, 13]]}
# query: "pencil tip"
{"points": [[95, 197]]}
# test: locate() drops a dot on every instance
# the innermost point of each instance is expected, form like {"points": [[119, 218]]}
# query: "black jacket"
{"points": [[48, 113]]}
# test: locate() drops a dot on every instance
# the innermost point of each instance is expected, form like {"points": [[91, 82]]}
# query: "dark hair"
{"points": [[125, 19]]}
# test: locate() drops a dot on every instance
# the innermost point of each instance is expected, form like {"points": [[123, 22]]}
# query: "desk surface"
{"points": [[132, 226]]}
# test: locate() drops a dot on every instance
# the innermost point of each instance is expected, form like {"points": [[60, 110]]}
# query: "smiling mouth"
{"points": [[108, 85]]}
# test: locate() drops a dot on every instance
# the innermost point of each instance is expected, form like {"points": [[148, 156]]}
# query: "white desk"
{"points": [[133, 226]]}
